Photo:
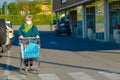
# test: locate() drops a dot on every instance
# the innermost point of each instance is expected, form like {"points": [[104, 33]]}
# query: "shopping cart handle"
{"points": [[28, 38], [20, 38]]}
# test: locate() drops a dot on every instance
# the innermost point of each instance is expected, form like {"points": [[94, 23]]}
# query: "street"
{"points": [[65, 58]]}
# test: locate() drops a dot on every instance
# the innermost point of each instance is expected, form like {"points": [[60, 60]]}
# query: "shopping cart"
{"points": [[30, 51]]}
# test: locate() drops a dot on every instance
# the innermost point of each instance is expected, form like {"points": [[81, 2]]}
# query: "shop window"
{"points": [[79, 21], [99, 19]]}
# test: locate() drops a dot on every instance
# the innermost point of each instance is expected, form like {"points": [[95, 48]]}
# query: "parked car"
{"points": [[6, 35], [63, 28]]}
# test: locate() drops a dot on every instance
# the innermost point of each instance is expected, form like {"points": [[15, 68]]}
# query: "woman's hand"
{"points": [[21, 37], [37, 36]]}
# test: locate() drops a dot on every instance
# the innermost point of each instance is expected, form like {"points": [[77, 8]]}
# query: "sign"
{"points": [[63, 1]]}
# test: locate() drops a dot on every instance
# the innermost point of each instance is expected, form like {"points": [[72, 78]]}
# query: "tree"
{"points": [[13, 8], [34, 7], [28, 7], [4, 8], [23, 7], [0, 11]]}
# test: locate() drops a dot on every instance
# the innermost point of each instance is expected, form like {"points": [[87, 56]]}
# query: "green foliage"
{"points": [[0, 11], [23, 7], [28, 7], [34, 8], [48, 1], [37, 19], [13, 9], [99, 19]]}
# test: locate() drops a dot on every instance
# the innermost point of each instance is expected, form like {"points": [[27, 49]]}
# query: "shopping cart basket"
{"points": [[30, 50]]}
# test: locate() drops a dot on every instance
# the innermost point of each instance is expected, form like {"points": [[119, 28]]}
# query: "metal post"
{"points": [[84, 28], [106, 21]]}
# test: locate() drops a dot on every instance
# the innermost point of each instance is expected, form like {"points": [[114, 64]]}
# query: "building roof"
{"points": [[58, 6]]}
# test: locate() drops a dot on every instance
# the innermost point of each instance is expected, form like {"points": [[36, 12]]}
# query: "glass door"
{"points": [[90, 17]]}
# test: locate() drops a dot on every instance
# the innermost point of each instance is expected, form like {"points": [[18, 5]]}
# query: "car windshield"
{"points": [[8, 23]]}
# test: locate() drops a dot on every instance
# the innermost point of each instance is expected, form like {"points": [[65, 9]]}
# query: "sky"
{"points": [[8, 1]]}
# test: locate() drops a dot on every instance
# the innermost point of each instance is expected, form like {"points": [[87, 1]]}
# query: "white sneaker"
{"points": [[31, 68], [27, 69]]}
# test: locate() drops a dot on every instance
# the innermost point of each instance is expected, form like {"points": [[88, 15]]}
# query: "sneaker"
{"points": [[31, 68], [27, 69]]}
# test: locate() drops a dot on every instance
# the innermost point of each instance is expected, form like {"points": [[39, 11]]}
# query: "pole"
{"points": [[51, 23]]}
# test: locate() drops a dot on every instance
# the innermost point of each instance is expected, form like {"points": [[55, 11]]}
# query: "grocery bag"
{"points": [[32, 51]]}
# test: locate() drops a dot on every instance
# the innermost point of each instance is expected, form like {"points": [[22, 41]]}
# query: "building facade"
{"points": [[92, 19]]}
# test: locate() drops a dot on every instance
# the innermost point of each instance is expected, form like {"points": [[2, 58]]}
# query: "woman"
{"points": [[28, 29]]}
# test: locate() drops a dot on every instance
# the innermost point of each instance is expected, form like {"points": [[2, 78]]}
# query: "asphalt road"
{"points": [[65, 58]]}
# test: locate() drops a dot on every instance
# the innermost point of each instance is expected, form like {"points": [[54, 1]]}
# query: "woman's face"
{"points": [[29, 21]]}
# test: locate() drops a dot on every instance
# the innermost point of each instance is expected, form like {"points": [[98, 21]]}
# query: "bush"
{"points": [[37, 19]]}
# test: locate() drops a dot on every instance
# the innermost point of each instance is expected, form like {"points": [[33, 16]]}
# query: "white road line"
{"points": [[53, 43], [48, 77], [80, 76], [111, 76], [16, 77], [6, 72]]}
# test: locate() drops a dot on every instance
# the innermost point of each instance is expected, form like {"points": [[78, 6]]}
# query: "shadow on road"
{"points": [[8, 67], [80, 67], [69, 43], [10, 56]]}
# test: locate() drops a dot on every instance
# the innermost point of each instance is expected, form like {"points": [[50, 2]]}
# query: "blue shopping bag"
{"points": [[32, 51]]}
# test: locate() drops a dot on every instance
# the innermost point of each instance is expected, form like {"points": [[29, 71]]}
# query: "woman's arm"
{"points": [[36, 31], [20, 30]]}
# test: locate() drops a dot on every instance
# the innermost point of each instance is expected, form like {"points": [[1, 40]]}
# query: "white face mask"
{"points": [[28, 22]]}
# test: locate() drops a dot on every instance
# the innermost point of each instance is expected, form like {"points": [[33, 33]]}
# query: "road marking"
{"points": [[80, 76], [16, 77], [53, 43], [48, 77], [6, 72], [111, 76]]}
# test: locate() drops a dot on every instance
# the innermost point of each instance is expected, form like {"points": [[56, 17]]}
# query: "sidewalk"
{"points": [[40, 27]]}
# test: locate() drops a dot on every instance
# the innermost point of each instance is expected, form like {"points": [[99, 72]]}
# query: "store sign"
{"points": [[63, 1], [114, 7]]}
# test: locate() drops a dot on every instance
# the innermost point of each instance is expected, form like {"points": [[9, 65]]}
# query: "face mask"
{"points": [[28, 22]]}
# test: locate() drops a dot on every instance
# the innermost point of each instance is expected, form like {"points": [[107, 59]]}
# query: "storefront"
{"points": [[114, 20], [92, 19]]}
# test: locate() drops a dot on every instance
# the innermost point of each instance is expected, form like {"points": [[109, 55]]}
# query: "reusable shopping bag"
{"points": [[32, 51]]}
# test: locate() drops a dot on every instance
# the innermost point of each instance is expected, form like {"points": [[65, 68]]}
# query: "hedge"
{"points": [[37, 19]]}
